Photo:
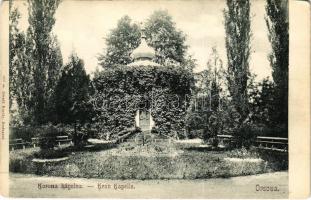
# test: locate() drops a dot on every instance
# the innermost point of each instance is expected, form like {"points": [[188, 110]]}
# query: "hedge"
{"points": [[121, 91]]}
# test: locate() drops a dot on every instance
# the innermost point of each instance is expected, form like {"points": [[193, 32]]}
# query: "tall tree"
{"points": [[215, 69], [16, 41], [162, 34], [238, 36], [20, 71], [46, 58], [277, 23], [120, 43], [71, 97]]}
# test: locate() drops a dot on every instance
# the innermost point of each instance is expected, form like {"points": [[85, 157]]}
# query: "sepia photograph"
{"points": [[148, 99]]}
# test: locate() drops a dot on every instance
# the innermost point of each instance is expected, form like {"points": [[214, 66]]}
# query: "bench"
{"points": [[261, 142], [225, 139], [59, 139], [63, 139], [35, 141], [272, 143], [19, 142]]}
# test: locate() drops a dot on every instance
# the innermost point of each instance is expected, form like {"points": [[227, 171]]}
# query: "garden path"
{"points": [[22, 185]]}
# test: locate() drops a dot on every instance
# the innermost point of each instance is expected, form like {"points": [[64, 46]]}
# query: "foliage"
{"points": [[20, 72], [45, 53], [189, 63], [262, 102], [23, 132], [264, 111], [195, 120], [245, 135], [120, 43], [213, 129], [277, 23], [15, 44], [120, 92], [215, 80], [238, 36], [161, 34], [208, 95], [47, 137], [35, 62], [71, 98]]}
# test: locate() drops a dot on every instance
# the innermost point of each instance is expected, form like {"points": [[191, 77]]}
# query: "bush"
{"points": [[276, 131], [25, 133], [245, 135], [47, 137], [154, 130], [80, 138], [214, 141], [199, 133]]}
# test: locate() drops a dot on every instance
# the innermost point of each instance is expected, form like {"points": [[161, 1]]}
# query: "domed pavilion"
{"points": [[143, 94]]}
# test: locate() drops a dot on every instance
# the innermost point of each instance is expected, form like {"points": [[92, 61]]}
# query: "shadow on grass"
{"points": [[205, 149]]}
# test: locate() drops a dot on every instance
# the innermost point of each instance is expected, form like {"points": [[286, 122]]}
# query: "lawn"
{"points": [[157, 160]]}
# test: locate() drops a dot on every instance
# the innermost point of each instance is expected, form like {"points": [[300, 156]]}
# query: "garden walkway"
{"points": [[238, 187]]}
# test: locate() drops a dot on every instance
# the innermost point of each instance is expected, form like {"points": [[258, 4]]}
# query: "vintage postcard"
{"points": [[155, 99]]}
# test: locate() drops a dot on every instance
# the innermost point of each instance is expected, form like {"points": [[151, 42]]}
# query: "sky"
{"points": [[83, 25]]}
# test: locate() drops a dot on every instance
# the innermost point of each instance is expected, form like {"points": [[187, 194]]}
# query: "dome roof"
{"points": [[143, 51]]}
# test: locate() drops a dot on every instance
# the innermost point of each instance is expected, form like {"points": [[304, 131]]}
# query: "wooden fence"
{"points": [[268, 143]]}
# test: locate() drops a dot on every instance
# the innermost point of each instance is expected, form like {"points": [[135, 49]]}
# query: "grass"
{"points": [[150, 161]]}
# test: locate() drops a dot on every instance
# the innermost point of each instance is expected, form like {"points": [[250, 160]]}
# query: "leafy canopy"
{"points": [[161, 33]]}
